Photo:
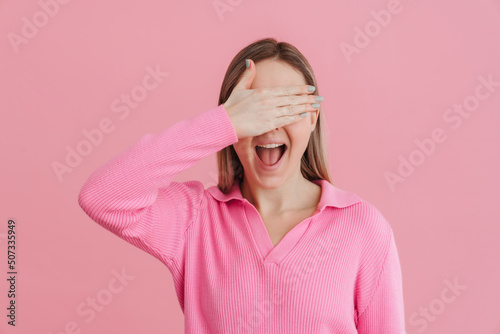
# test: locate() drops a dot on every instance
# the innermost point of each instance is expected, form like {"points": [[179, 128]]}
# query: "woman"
{"points": [[274, 247]]}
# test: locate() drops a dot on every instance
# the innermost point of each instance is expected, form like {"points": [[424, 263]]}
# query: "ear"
{"points": [[314, 119]]}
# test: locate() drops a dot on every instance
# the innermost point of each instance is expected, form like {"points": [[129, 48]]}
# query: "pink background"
{"points": [[378, 101]]}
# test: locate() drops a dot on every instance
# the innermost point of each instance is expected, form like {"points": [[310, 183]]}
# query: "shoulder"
{"points": [[192, 189], [361, 218], [370, 218], [372, 230], [187, 197]]}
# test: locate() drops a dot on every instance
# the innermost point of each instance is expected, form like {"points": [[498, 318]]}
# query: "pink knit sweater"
{"points": [[337, 271]]}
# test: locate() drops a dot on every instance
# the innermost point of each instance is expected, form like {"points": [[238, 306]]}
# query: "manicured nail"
{"points": [[319, 98], [304, 114], [315, 105], [311, 89], [247, 63]]}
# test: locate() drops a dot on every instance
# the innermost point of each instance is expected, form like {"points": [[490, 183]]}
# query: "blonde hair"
{"points": [[314, 162]]}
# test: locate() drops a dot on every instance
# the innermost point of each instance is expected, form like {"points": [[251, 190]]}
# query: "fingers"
{"points": [[288, 119], [289, 102], [247, 78], [292, 90], [296, 99], [297, 109]]}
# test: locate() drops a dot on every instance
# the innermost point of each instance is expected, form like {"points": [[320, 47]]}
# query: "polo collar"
{"points": [[330, 195]]}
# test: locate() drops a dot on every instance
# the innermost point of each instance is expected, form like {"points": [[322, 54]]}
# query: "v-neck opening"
{"points": [[263, 246], [268, 252]]}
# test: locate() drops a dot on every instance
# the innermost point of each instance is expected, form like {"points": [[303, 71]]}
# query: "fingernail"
{"points": [[315, 105], [304, 114], [247, 63], [319, 98], [311, 88]]}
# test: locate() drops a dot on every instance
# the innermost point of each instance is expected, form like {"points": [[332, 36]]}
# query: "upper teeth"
{"points": [[270, 145]]}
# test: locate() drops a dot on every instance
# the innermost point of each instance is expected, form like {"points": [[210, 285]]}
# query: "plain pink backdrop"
{"points": [[395, 89]]}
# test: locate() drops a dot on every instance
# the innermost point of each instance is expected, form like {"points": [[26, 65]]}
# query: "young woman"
{"points": [[274, 247]]}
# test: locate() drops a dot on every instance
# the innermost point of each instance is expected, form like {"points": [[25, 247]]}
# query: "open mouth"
{"points": [[270, 156]]}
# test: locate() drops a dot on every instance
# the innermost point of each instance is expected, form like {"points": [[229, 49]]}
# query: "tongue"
{"points": [[269, 156]]}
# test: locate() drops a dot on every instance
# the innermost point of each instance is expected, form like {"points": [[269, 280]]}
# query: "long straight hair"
{"points": [[314, 162]]}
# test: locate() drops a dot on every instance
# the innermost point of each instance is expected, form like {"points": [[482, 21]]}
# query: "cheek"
{"points": [[243, 149], [299, 127], [299, 134]]}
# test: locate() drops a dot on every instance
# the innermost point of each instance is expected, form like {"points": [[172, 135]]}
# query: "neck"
{"points": [[280, 199]]}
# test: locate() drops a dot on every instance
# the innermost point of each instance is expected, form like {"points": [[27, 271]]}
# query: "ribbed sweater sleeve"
{"points": [[133, 195], [383, 292]]}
